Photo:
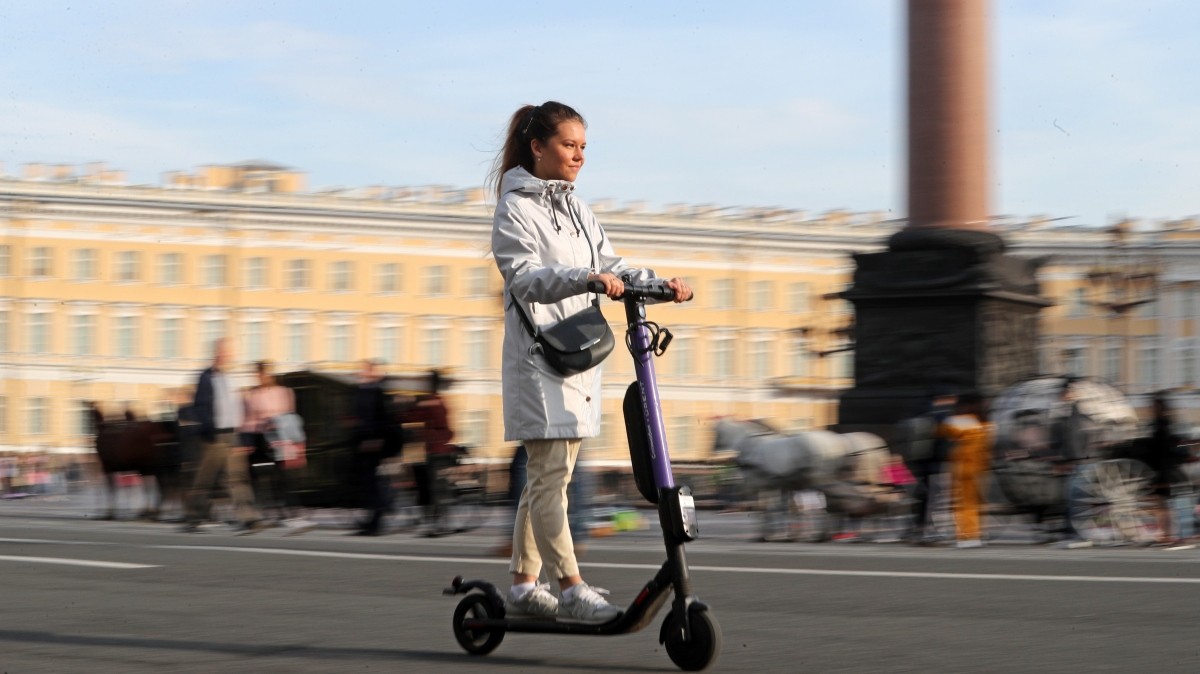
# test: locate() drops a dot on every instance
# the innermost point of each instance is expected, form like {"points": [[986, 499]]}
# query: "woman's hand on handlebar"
{"points": [[683, 292], [613, 286]]}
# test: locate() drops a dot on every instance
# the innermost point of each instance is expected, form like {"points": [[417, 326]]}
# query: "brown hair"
{"points": [[527, 123]]}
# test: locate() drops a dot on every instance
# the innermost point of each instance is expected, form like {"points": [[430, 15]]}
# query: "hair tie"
{"points": [[532, 114]]}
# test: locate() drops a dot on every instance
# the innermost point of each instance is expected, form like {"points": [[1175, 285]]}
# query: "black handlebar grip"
{"points": [[595, 287]]}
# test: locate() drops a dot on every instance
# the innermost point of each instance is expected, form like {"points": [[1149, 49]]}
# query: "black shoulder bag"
{"points": [[578, 342]]}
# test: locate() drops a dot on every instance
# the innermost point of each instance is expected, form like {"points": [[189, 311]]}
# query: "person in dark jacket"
{"points": [[928, 466], [371, 430], [1165, 456], [440, 455], [217, 410]]}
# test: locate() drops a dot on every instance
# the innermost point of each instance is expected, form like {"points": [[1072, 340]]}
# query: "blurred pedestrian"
{"points": [[270, 406], [1069, 450], [971, 436], [370, 433], [219, 414], [440, 456], [1165, 455], [925, 452]]}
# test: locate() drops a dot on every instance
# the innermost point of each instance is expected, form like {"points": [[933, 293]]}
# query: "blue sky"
{"points": [[796, 105]]}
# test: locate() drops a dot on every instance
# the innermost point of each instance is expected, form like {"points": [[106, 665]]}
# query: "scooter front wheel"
{"points": [[703, 648], [476, 641]]}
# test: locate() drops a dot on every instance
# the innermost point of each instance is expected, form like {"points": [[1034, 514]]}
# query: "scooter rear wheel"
{"points": [[476, 641], [704, 647]]}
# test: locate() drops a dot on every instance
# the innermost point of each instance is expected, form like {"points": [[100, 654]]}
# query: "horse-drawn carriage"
{"points": [[1069, 448]]}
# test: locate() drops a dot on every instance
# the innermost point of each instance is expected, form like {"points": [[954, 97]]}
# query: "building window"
{"points": [[3, 414], [1149, 309], [1074, 361], [341, 276], [5, 260], [479, 349], [256, 273], [39, 333], [83, 329], [254, 340], [79, 418], [843, 364], [39, 415], [386, 345], [760, 359], [723, 293], [799, 297], [129, 263], [388, 277], [435, 346], [211, 329], [1112, 363], [1078, 307], [682, 355], [473, 428], [1187, 363], [798, 357], [682, 436], [723, 357], [1148, 375], [213, 271], [41, 262], [170, 331], [299, 337], [170, 269], [125, 336], [83, 266], [299, 274], [479, 281], [5, 345], [435, 280], [340, 339], [762, 295]]}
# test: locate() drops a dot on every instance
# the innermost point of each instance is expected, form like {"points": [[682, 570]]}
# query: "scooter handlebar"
{"points": [[654, 290]]}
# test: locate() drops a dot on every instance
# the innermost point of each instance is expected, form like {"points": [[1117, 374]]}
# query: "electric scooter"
{"points": [[690, 632]]}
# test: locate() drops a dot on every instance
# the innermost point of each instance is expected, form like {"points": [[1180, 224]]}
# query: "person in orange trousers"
{"points": [[971, 436]]}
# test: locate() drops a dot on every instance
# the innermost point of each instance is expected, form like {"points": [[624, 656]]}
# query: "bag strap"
{"points": [[525, 320]]}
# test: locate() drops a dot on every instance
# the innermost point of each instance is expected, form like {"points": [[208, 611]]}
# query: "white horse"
{"points": [[846, 468]]}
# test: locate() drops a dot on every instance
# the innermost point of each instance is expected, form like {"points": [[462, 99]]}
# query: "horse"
{"points": [[149, 448], [845, 468]]}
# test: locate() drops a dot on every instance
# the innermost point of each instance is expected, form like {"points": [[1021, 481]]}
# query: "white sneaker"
{"points": [[536, 603], [587, 604], [972, 543]]}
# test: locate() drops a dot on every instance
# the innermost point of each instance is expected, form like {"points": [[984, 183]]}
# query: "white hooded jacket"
{"points": [[540, 239]]}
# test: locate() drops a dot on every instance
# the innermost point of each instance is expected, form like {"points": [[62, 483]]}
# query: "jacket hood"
{"points": [[517, 179]]}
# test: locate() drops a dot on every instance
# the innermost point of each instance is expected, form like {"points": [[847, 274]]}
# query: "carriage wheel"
{"points": [[1113, 502]]}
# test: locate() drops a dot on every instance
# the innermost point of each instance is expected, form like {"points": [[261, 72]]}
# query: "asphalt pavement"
{"points": [[82, 595]]}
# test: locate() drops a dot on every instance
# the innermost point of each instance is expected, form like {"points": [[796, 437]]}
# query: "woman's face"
{"points": [[560, 157]]}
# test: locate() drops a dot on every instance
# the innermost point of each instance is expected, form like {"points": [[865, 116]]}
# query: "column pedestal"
{"points": [[940, 309]]}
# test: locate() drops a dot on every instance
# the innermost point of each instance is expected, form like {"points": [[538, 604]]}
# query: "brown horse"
{"points": [[149, 448]]}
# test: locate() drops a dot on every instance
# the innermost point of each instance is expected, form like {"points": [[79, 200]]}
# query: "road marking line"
{"points": [[76, 562], [48, 540], [716, 569]]}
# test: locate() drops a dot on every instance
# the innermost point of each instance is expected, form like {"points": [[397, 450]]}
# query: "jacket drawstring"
{"points": [[551, 193]]}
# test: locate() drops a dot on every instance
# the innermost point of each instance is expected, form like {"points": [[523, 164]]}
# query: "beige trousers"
{"points": [[541, 534], [215, 457]]}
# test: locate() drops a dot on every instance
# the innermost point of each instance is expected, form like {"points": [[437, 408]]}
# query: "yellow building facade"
{"points": [[115, 293]]}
